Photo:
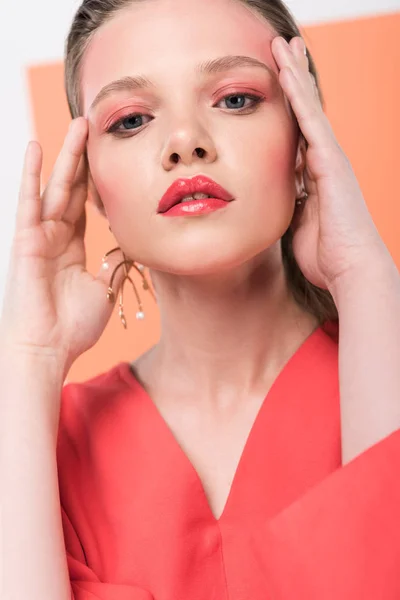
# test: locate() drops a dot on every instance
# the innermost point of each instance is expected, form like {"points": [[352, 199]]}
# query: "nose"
{"points": [[188, 144]]}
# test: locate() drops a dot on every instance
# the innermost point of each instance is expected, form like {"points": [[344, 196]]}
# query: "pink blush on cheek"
{"points": [[113, 175], [283, 163], [108, 185], [278, 159]]}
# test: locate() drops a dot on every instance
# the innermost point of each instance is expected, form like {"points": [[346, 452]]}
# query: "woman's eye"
{"points": [[136, 121], [237, 101], [128, 123]]}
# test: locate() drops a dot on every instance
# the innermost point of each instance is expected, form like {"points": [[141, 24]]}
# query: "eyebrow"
{"points": [[210, 67]]}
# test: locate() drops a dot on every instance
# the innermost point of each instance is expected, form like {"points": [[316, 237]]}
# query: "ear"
{"points": [[95, 197], [300, 165]]}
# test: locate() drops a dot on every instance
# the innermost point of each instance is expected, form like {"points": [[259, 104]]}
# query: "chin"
{"points": [[211, 260]]}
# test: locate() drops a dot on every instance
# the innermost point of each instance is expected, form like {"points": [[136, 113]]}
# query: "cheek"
{"points": [[277, 183], [275, 147], [279, 164], [266, 161], [266, 157], [272, 159], [109, 167]]}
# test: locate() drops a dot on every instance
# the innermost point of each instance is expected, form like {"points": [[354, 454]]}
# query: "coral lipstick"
{"points": [[191, 197], [192, 208]]}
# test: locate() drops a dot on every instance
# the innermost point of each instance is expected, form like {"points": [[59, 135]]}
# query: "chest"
{"points": [[213, 446]]}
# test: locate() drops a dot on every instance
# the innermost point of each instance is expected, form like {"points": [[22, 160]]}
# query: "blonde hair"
{"points": [[92, 14]]}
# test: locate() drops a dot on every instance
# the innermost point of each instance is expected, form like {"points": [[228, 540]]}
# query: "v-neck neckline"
{"points": [[130, 378]]}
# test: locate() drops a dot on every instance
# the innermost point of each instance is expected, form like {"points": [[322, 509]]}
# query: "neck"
{"points": [[227, 332]]}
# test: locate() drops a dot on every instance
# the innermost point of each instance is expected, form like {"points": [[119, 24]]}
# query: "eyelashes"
{"points": [[132, 118]]}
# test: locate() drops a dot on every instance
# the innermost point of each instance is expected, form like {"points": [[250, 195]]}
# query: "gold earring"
{"points": [[127, 264]]}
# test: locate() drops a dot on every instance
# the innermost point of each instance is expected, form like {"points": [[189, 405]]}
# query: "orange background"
{"points": [[359, 65]]}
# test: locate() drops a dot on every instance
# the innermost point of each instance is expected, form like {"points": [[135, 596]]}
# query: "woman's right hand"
{"points": [[52, 305]]}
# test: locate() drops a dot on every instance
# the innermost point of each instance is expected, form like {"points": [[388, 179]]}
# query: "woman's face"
{"points": [[250, 148]]}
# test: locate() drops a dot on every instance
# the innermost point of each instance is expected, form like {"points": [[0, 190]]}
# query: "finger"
{"points": [[293, 54], [298, 47], [79, 192], [79, 235], [29, 204], [80, 224], [299, 86], [56, 196]]}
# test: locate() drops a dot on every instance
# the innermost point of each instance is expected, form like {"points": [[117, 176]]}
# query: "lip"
{"points": [[184, 186]]}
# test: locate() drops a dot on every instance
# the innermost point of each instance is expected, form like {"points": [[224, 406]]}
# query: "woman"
{"points": [[220, 463]]}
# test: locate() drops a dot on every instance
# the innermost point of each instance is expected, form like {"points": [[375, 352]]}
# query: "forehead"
{"points": [[165, 39]]}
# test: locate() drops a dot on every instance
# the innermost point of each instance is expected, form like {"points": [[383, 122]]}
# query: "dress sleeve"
{"points": [[85, 584], [342, 538]]}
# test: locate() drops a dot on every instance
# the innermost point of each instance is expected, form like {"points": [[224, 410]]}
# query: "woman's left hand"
{"points": [[334, 233]]}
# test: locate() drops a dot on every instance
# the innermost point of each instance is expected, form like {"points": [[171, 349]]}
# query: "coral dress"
{"points": [[296, 526]]}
